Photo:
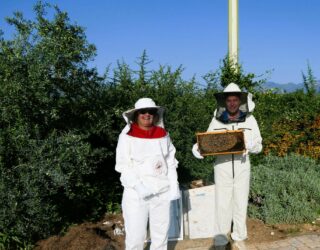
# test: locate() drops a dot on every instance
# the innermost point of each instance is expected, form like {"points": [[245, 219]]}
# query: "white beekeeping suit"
{"points": [[232, 172], [149, 177]]}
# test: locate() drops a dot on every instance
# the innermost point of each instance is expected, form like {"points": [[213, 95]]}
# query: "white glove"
{"points": [[143, 191], [249, 146], [195, 151]]}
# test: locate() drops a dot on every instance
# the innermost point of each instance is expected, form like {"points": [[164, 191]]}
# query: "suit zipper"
{"points": [[233, 159]]}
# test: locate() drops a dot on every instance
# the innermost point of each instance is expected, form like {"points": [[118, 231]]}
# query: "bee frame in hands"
{"points": [[221, 142]]}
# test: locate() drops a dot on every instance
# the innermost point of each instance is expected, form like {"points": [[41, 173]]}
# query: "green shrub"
{"points": [[13, 242], [273, 108], [285, 190], [44, 189]]}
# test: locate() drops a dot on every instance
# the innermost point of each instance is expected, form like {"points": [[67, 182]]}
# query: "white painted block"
{"points": [[199, 204]]}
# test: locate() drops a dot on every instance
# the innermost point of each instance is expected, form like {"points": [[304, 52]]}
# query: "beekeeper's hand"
{"points": [[195, 151], [143, 191], [249, 146]]}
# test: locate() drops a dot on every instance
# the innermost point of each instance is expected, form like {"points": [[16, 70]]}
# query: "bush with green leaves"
{"points": [[285, 190], [54, 183], [56, 138]]}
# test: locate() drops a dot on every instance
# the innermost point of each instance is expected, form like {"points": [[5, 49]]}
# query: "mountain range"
{"points": [[287, 87]]}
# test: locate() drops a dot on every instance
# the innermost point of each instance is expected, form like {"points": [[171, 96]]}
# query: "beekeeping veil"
{"points": [[246, 105], [142, 103]]}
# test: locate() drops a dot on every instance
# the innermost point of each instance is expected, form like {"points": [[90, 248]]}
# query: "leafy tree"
{"points": [[233, 72], [309, 82], [44, 78], [56, 140]]}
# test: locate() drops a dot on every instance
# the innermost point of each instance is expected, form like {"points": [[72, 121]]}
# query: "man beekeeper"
{"points": [[145, 157], [232, 171]]}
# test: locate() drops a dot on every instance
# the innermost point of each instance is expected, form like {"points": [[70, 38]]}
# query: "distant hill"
{"points": [[287, 87]]}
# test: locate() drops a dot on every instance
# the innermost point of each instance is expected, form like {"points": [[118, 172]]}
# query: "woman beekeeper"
{"points": [[232, 171], [145, 157]]}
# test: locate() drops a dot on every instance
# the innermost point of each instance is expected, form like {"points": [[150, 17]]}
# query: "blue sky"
{"points": [[278, 35]]}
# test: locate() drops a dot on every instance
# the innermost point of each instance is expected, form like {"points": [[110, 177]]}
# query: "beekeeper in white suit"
{"points": [[232, 172], [145, 157]]}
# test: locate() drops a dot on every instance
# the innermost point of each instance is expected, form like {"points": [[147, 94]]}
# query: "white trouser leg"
{"points": [[223, 203], [240, 202], [135, 214], [159, 223]]}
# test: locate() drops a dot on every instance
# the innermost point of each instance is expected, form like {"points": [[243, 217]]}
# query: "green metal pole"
{"points": [[233, 40]]}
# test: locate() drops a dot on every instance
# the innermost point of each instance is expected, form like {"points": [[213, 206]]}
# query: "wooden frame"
{"points": [[221, 142]]}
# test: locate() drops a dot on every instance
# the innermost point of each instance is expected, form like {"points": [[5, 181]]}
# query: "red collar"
{"points": [[152, 133]]}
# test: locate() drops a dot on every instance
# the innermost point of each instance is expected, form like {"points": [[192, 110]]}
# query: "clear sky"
{"points": [[278, 35]]}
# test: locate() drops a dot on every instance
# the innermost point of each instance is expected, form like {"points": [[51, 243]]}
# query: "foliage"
{"points": [[300, 136], [56, 141], [289, 123], [6, 242], [229, 71], [309, 82], [285, 190]]}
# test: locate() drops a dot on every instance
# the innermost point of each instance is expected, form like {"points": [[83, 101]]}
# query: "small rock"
{"points": [[107, 223], [118, 231], [272, 233]]}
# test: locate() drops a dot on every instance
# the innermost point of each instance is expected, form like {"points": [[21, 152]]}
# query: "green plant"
{"points": [[233, 72], [13, 242], [285, 190], [56, 141], [309, 82]]}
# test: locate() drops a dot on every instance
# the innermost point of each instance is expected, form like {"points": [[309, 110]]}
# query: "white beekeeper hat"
{"points": [[247, 105], [143, 103]]}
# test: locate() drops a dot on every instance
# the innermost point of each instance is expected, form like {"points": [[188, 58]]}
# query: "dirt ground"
{"points": [[108, 234], [260, 232]]}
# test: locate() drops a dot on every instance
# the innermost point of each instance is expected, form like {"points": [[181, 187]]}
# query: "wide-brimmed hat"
{"points": [[143, 103], [247, 105]]}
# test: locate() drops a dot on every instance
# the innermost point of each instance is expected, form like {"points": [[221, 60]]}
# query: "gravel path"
{"points": [[302, 242]]}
